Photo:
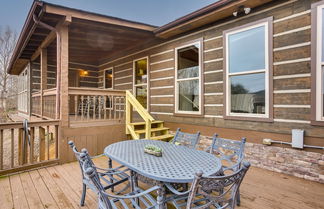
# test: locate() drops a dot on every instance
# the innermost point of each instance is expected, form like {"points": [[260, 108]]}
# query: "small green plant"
{"points": [[153, 150]]}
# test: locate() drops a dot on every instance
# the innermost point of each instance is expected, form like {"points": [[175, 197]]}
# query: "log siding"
{"points": [[291, 71]]}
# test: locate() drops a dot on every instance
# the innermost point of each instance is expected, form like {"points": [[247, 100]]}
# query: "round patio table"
{"points": [[178, 164]]}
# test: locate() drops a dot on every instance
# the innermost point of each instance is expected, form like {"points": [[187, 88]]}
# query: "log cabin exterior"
{"points": [[257, 75]]}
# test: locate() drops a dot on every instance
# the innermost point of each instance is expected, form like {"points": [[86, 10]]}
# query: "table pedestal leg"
{"points": [[161, 197]]}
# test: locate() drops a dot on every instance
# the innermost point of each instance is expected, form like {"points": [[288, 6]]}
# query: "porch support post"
{"points": [[63, 78], [64, 84], [43, 75]]}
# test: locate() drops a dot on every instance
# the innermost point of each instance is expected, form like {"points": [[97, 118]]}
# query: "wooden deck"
{"points": [[60, 187]]}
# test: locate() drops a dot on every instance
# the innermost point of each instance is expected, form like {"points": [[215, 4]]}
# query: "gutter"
{"points": [[58, 68], [193, 15]]}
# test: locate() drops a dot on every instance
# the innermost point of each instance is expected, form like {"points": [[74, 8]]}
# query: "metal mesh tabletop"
{"points": [[178, 164]]}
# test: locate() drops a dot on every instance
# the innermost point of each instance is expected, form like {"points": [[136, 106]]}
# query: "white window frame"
{"points": [[319, 64], [143, 84], [104, 78], [176, 80], [266, 71]]}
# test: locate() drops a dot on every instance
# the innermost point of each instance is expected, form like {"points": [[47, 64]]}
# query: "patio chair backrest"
{"points": [[92, 176], [136, 199], [231, 151], [216, 191], [77, 155], [186, 139]]}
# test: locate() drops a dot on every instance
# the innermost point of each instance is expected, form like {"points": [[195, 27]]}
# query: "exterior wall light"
{"points": [[241, 11], [83, 73]]}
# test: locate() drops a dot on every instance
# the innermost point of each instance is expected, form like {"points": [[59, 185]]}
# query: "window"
{"points": [[188, 81], [247, 71], [318, 69], [140, 80], [108, 78]]}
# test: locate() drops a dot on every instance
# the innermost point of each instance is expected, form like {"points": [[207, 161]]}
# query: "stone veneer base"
{"points": [[299, 163]]}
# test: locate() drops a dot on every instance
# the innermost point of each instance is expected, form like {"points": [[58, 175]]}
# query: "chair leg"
{"points": [[84, 191], [238, 198], [110, 166]]}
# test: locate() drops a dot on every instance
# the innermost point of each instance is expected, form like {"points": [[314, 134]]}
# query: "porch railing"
{"points": [[89, 104], [28, 146], [47, 107]]}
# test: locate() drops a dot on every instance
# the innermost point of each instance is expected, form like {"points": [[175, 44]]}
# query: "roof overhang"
{"points": [[52, 15], [207, 15]]}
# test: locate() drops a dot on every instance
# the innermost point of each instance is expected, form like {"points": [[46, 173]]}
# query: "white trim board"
{"points": [[292, 31], [162, 61], [160, 53], [292, 46], [161, 113], [291, 121], [302, 75], [291, 91], [291, 106], [292, 16], [162, 70], [306, 59]]}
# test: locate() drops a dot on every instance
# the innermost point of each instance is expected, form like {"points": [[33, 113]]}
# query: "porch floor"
{"points": [[60, 187]]}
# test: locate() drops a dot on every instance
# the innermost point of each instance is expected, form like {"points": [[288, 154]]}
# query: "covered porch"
{"points": [[59, 64]]}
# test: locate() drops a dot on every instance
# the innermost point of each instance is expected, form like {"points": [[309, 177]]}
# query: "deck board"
{"points": [[43, 191], [18, 194], [31, 194], [59, 196], [6, 194], [60, 187]]}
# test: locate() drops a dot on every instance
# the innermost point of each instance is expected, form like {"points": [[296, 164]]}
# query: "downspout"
{"points": [[58, 77]]}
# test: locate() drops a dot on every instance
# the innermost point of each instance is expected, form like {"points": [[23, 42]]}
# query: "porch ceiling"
{"points": [[89, 41]]}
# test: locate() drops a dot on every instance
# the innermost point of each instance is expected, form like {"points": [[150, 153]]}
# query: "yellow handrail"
{"points": [[132, 102]]}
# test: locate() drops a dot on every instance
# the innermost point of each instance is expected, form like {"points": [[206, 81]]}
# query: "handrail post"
{"points": [[128, 113], [147, 129]]}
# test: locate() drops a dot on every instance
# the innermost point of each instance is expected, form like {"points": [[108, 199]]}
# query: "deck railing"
{"points": [[89, 104], [25, 146], [47, 107]]}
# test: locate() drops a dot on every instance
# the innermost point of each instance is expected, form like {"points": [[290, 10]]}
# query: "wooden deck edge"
{"points": [[25, 168]]}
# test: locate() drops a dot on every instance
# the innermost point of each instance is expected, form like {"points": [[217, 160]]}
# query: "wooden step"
{"points": [[165, 137], [143, 123], [142, 131]]}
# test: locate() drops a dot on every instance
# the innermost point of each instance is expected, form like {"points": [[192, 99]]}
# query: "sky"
{"points": [[154, 12]]}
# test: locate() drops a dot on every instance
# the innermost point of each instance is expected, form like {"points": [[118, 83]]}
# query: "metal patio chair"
{"points": [[111, 176], [231, 153], [137, 198], [211, 191], [186, 139]]}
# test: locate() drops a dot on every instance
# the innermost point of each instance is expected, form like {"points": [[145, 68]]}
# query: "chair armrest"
{"points": [[132, 196], [112, 171], [173, 190]]}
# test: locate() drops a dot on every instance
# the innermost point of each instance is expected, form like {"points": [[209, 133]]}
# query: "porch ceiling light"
{"points": [[83, 73]]}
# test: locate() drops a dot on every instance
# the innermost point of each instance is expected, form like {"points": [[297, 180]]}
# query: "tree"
{"points": [[7, 83], [238, 89]]}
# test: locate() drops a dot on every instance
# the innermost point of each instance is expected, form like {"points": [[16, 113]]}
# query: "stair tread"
{"points": [[166, 136], [143, 123], [141, 131]]}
